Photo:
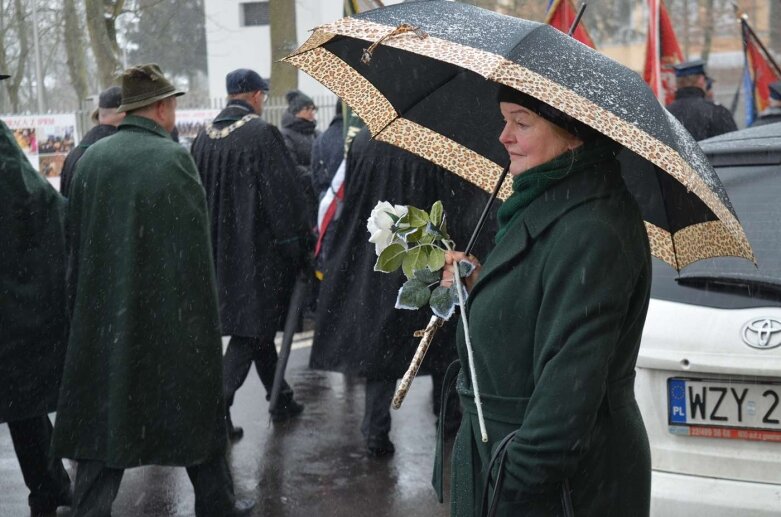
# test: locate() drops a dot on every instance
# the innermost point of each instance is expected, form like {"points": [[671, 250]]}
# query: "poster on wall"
{"points": [[190, 122], [46, 140]]}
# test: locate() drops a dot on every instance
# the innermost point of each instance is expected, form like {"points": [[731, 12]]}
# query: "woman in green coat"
{"points": [[556, 313]]}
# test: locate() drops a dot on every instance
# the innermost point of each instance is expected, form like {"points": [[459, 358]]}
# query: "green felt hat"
{"points": [[143, 85]]}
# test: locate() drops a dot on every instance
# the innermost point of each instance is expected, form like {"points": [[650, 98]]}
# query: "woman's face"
{"points": [[531, 140]]}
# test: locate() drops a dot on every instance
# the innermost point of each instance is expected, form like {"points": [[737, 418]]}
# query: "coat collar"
{"points": [[136, 122], [235, 110], [549, 207]]}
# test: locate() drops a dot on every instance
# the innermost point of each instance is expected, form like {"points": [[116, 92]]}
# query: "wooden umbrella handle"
{"points": [[427, 336]]}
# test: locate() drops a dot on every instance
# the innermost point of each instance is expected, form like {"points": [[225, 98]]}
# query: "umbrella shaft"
{"points": [[486, 210]]}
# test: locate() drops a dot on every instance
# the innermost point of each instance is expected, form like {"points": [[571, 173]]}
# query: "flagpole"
{"points": [[577, 18], [744, 21]]}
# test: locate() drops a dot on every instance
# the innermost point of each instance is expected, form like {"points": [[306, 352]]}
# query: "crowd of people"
{"points": [[169, 249]]}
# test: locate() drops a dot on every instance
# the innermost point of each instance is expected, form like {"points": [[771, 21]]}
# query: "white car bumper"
{"points": [[674, 495]]}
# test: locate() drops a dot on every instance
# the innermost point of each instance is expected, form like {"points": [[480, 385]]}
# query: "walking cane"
{"points": [[297, 301]]}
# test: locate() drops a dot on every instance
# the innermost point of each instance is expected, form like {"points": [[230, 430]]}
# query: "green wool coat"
{"points": [[33, 319], [143, 372], [555, 320]]}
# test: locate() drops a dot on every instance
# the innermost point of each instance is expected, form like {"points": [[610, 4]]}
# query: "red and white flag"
{"points": [[561, 14], [661, 53]]}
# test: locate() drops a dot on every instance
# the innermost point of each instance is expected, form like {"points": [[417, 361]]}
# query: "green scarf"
{"points": [[529, 185]]}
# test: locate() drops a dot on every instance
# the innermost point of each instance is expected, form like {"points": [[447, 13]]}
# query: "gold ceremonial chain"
{"points": [[401, 29], [215, 134]]}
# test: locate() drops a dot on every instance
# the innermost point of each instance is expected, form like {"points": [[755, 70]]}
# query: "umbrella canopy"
{"points": [[424, 76]]}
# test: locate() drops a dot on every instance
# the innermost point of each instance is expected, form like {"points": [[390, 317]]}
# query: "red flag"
{"points": [[561, 14], [762, 73], [661, 53]]}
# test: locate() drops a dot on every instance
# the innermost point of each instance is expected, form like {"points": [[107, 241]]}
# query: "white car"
{"points": [[709, 369]]}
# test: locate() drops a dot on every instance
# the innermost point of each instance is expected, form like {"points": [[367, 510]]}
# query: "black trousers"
{"points": [[97, 487], [241, 353], [45, 476], [377, 411]]}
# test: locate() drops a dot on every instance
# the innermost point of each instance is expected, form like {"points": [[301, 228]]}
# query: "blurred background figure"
{"points": [[33, 321], [298, 127], [328, 152], [358, 331], [702, 118], [107, 119], [259, 231]]}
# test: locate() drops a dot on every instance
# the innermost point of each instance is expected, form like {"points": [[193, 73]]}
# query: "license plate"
{"points": [[721, 409]]}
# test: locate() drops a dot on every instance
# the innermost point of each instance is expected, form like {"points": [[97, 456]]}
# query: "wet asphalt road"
{"points": [[312, 466]]}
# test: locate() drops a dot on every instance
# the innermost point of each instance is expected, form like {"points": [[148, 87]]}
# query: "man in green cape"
{"points": [[142, 383], [33, 320]]}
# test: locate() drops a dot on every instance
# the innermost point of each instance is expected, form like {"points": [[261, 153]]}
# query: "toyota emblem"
{"points": [[762, 333]]}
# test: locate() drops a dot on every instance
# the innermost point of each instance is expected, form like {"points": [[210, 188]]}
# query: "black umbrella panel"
{"points": [[424, 77]]}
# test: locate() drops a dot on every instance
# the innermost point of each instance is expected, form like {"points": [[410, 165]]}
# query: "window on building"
{"points": [[253, 14]]}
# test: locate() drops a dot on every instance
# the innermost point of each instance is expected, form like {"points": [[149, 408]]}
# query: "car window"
{"points": [[755, 192]]}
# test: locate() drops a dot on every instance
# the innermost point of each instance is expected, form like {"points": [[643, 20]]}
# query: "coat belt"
{"points": [[508, 410]]}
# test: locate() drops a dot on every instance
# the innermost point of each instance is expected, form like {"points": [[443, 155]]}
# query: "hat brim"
{"points": [[149, 100]]}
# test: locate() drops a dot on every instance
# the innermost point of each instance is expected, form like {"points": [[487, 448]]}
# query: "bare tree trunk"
{"points": [[775, 25], [102, 35], [282, 15], [14, 83], [74, 48], [707, 30]]}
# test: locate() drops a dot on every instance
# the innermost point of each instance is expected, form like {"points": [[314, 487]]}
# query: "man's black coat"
{"points": [[69, 166], [702, 118], [259, 218], [357, 330]]}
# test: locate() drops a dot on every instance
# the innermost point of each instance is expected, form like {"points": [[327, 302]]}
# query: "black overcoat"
{"points": [[358, 331], [327, 155], [702, 118], [69, 166], [33, 319], [259, 218]]}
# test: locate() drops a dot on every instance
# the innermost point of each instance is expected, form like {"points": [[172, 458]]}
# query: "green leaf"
{"points": [[443, 302], [393, 217], [411, 235], [427, 276], [434, 232], [417, 217], [413, 295], [436, 259], [436, 213], [391, 258], [416, 258]]}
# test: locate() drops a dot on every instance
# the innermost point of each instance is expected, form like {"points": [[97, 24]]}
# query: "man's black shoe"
{"points": [[380, 446], [286, 410], [242, 507]]}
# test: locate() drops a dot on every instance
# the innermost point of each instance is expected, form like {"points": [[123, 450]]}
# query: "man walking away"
{"points": [[33, 321], [260, 234], [143, 378], [108, 118], [702, 118]]}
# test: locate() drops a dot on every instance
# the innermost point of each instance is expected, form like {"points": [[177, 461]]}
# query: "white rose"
{"points": [[380, 224]]}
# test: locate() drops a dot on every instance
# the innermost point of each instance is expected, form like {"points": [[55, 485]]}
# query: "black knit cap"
{"points": [[549, 113]]}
